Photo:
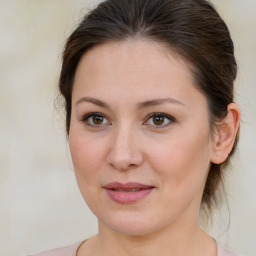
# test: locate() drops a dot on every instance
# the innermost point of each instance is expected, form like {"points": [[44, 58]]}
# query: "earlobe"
{"points": [[225, 134]]}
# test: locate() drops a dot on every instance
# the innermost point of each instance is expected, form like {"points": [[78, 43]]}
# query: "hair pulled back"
{"points": [[191, 28]]}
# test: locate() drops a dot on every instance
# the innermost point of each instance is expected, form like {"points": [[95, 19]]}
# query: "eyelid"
{"points": [[170, 118], [85, 118]]}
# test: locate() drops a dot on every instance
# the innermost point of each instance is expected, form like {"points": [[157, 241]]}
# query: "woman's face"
{"points": [[139, 137]]}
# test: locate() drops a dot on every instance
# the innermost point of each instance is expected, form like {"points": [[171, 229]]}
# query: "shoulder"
{"points": [[223, 251], [69, 250]]}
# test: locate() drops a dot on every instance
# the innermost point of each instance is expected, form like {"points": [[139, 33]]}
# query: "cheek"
{"points": [[88, 156], [182, 160], [86, 151], [182, 167]]}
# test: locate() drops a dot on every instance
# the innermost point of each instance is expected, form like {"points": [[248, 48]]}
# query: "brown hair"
{"points": [[191, 28]]}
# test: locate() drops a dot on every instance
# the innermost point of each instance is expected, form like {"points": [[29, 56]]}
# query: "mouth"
{"points": [[126, 193], [127, 190]]}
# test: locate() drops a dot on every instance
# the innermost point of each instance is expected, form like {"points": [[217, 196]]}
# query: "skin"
{"points": [[128, 146]]}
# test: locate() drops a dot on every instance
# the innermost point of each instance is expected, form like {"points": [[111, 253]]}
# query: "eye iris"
{"points": [[97, 119], [158, 120]]}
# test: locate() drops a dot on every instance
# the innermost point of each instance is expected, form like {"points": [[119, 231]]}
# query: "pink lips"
{"points": [[130, 192]]}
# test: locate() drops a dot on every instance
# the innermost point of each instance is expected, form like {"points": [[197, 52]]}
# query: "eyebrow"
{"points": [[141, 105], [93, 101], [156, 102]]}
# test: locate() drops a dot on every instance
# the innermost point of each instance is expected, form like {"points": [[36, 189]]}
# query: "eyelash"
{"points": [[93, 114], [155, 114], [163, 115]]}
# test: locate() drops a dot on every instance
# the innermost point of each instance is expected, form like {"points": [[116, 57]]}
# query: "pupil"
{"points": [[97, 119], [158, 120]]}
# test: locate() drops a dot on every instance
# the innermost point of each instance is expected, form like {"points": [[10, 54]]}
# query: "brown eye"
{"points": [[158, 120], [97, 119]]}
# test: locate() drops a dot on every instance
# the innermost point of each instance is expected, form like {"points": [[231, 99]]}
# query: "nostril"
{"points": [[124, 153], [123, 162]]}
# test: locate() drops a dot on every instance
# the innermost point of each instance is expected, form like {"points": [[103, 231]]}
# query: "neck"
{"points": [[188, 239]]}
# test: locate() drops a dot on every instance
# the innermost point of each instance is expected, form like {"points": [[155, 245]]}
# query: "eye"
{"points": [[159, 120], [95, 120]]}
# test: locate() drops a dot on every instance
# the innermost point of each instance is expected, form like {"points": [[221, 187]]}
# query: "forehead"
{"points": [[130, 67], [142, 54]]}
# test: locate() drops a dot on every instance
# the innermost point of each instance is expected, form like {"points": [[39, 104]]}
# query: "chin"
{"points": [[130, 224], [131, 229]]}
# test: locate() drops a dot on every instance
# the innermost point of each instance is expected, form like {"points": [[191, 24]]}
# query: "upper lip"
{"points": [[128, 185]]}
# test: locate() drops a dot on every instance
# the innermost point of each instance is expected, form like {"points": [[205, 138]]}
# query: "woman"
{"points": [[151, 122]]}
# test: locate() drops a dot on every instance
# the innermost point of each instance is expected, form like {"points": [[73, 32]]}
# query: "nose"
{"points": [[125, 150]]}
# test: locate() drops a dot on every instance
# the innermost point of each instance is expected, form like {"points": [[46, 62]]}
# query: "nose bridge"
{"points": [[124, 149]]}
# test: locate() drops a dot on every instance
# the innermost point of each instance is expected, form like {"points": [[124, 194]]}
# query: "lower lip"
{"points": [[128, 197]]}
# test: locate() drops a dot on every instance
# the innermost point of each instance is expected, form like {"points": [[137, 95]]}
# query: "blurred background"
{"points": [[41, 206]]}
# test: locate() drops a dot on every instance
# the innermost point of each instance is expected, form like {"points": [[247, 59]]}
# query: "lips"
{"points": [[126, 193]]}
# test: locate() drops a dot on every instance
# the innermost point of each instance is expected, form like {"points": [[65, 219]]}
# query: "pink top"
{"points": [[71, 250]]}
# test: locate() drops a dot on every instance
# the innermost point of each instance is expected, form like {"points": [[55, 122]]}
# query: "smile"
{"points": [[127, 193]]}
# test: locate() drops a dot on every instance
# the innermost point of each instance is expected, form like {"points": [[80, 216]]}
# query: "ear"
{"points": [[225, 134]]}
